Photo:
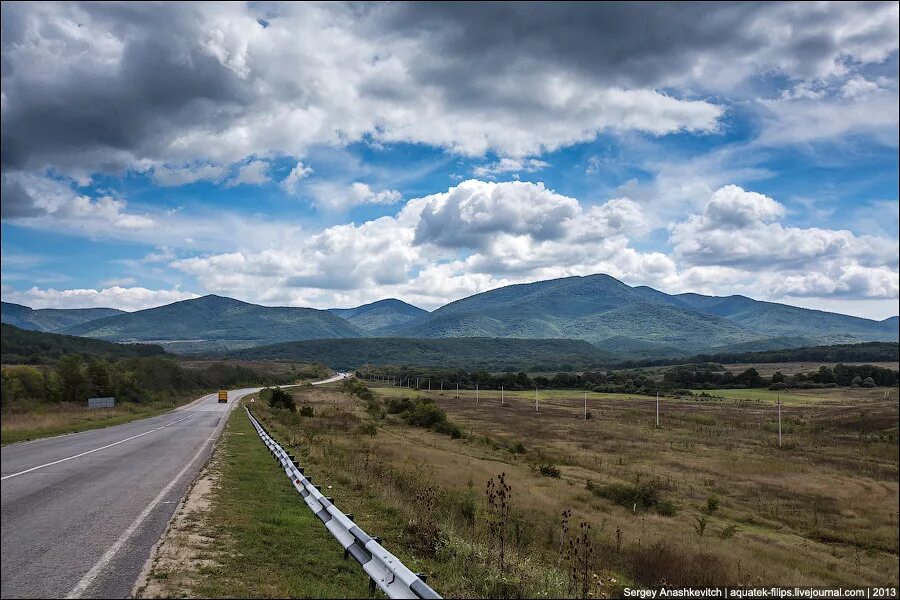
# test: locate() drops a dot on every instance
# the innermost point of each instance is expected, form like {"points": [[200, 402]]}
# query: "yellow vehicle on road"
{"points": [[223, 396]]}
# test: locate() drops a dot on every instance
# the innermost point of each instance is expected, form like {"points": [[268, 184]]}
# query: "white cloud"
{"points": [[255, 172], [228, 96], [53, 202], [291, 183], [738, 239], [171, 176], [468, 214], [515, 231], [332, 196], [123, 298], [510, 165]]}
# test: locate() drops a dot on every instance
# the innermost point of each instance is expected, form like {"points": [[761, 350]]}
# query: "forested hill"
{"points": [[20, 346], [868, 352]]}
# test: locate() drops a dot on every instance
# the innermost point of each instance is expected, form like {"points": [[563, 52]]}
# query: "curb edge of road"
{"points": [[217, 436]]}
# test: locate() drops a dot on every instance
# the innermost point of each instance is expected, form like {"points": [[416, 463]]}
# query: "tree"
{"points": [[281, 399], [98, 376], [75, 387]]}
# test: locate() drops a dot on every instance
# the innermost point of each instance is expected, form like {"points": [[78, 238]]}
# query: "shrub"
{"points": [[423, 412], [642, 496], [549, 471], [729, 531], [777, 386], [278, 398], [398, 405], [712, 504], [588, 415], [517, 447], [367, 428], [306, 411]]}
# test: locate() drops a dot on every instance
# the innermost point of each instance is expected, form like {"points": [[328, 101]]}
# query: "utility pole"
{"points": [[657, 409], [442, 387], [457, 390], [585, 405], [535, 400], [501, 395], [429, 386], [417, 383], [476, 393]]}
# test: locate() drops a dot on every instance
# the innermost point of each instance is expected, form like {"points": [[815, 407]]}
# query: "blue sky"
{"points": [[333, 155]]}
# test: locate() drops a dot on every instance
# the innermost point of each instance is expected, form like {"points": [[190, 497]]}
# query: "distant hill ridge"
{"points": [[50, 319], [23, 346], [217, 322], [380, 316], [599, 309]]}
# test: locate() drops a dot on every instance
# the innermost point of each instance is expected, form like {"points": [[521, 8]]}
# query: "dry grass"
{"points": [[822, 510], [57, 419], [792, 368]]}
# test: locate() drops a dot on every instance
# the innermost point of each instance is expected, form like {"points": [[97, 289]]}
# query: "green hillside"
{"points": [[487, 353], [20, 346], [863, 352], [51, 319], [217, 322], [599, 308], [781, 320], [380, 317], [593, 308]]}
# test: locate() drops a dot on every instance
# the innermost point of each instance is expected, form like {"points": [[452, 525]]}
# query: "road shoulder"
{"points": [[242, 531]]}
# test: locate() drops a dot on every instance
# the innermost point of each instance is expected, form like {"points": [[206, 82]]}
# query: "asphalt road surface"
{"points": [[81, 512]]}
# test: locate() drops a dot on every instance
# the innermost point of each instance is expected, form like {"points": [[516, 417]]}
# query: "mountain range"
{"points": [[51, 319], [599, 309], [381, 317], [217, 323]]}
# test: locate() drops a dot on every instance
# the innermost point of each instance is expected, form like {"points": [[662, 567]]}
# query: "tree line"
{"points": [[76, 378], [633, 381]]}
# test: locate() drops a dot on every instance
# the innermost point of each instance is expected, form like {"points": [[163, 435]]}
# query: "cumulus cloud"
{"points": [[255, 172], [202, 84], [333, 196], [123, 298], [469, 213], [291, 183], [32, 199], [475, 236], [739, 231]]}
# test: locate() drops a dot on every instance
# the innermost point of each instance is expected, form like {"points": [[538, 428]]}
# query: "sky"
{"points": [[329, 155]]}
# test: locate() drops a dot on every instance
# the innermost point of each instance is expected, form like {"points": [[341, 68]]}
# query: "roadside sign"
{"points": [[101, 402]]}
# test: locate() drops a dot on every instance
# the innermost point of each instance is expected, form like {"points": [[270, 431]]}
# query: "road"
{"points": [[81, 512]]}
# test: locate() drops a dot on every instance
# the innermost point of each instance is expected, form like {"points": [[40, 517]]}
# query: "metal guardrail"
{"points": [[385, 570]]}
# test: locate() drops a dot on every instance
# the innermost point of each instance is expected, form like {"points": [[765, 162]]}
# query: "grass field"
{"points": [[576, 397], [792, 368], [244, 532], [709, 498], [57, 419]]}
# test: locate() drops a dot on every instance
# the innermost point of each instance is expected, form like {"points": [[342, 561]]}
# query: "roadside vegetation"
{"points": [[49, 396], [551, 504], [244, 532]]}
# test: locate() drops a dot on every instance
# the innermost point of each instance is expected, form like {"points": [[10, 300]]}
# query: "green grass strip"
{"points": [[274, 547]]}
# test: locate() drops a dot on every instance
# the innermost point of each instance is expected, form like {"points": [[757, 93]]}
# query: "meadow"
{"points": [[706, 498]]}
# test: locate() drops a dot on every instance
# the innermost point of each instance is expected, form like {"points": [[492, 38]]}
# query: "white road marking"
{"points": [[107, 557], [56, 462]]}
